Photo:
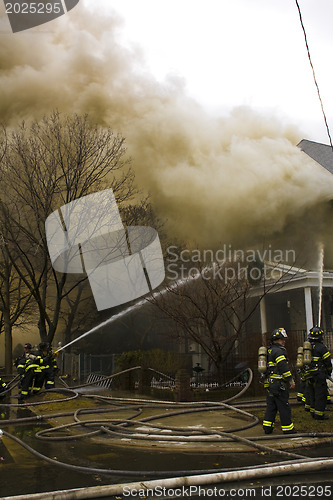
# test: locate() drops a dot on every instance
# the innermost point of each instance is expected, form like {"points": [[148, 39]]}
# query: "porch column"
{"points": [[308, 308], [263, 320]]}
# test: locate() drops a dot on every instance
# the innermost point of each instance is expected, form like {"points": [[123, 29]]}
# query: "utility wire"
{"points": [[313, 72]]}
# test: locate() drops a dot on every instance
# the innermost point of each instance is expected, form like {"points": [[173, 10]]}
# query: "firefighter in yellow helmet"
{"points": [[277, 382]]}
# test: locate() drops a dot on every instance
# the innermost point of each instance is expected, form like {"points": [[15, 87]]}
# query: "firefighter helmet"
{"points": [[27, 346], [44, 346], [315, 333], [279, 333]]}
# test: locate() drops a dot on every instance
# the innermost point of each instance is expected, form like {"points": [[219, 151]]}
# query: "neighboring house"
{"points": [[321, 153]]}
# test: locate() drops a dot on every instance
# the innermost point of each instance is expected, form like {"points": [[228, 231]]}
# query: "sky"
{"points": [[239, 52]]}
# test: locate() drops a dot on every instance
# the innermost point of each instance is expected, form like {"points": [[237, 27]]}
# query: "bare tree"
{"points": [[46, 165], [211, 307], [79, 312], [14, 296], [14, 302]]}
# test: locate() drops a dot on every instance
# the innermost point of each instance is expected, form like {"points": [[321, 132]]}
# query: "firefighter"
{"points": [[278, 381], [53, 370], [3, 387], [27, 369], [48, 367], [317, 372]]}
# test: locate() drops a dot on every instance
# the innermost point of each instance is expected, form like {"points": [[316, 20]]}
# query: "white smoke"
{"points": [[234, 178]]}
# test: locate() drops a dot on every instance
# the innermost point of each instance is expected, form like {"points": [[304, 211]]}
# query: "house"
{"points": [[302, 298], [296, 298]]}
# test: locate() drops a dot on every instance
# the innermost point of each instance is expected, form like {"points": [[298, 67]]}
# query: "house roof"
{"points": [[321, 153], [281, 277]]}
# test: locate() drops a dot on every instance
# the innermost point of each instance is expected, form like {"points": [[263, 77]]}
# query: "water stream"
{"points": [[320, 275], [135, 306]]}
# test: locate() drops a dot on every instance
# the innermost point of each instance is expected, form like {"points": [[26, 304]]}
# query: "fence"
{"points": [[162, 384], [80, 366], [96, 379]]}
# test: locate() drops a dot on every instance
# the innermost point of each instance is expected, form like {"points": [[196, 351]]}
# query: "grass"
{"points": [[53, 406], [302, 420]]}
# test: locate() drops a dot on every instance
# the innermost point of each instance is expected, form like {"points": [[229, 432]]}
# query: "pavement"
{"points": [[219, 420]]}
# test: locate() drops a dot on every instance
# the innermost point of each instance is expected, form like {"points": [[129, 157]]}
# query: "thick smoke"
{"points": [[237, 179]]}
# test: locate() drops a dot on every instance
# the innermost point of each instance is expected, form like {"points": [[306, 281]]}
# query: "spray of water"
{"points": [[106, 322], [135, 306], [320, 273]]}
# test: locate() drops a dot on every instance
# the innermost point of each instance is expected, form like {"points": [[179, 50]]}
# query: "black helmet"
{"points": [[44, 346], [279, 333], [27, 346], [316, 333]]}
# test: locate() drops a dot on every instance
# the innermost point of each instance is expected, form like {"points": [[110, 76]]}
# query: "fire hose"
{"points": [[123, 427]]}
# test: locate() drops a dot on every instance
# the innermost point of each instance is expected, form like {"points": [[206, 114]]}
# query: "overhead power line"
{"points": [[313, 72]]}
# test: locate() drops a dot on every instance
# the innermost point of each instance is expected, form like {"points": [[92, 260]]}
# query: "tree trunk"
{"points": [[8, 344], [220, 377]]}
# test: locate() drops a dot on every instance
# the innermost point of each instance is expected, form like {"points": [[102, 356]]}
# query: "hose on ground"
{"points": [[205, 406], [73, 395], [230, 433], [124, 427], [137, 473]]}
